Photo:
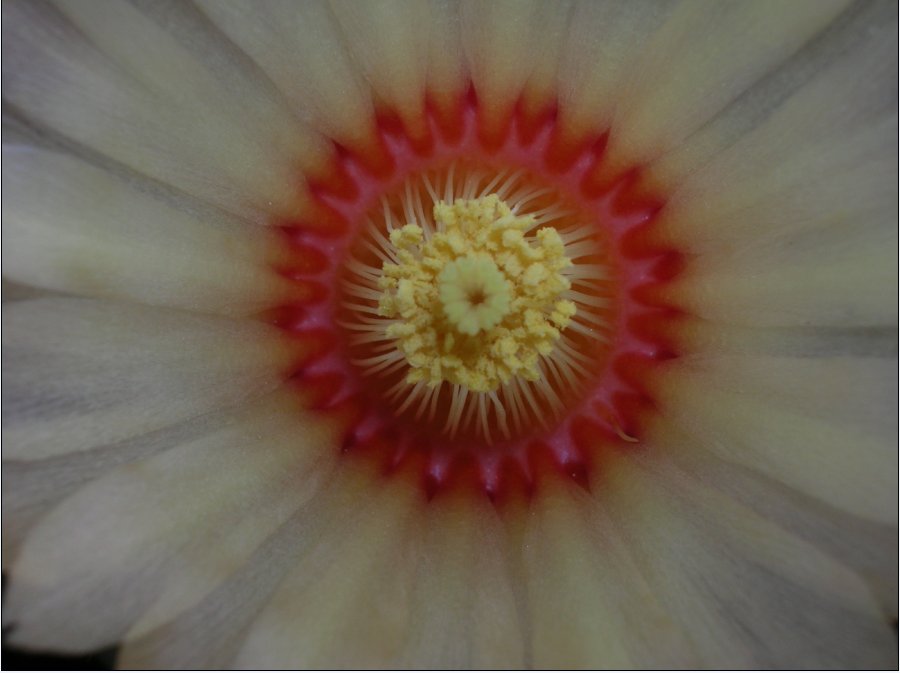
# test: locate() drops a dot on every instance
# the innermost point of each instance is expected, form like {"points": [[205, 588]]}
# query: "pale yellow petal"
{"points": [[590, 606], [869, 548], [786, 204], [448, 74], [873, 341], [787, 432], [80, 374], [836, 277], [604, 41], [73, 228], [704, 56], [109, 84], [504, 41], [212, 633], [464, 596], [818, 110], [32, 487], [298, 45], [389, 41], [344, 604], [135, 548], [746, 593]]}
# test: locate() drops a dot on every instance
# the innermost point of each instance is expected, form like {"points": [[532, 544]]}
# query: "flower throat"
{"points": [[466, 302]]}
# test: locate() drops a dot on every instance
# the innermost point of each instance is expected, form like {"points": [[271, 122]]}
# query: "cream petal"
{"points": [[849, 282], [601, 46], [80, 374], [807, 432], [851, 390], [590, 605], [868, 548], [389, 41], [464, 600], [747, 593], [73, 228], [876, 341], [13, 291], [143, 544], [448, 76], [344, 604], [787, 204], [123, 86], [210, 634], [504, 42], [813, 248], [299, 47], [547, 44], [703, 57], [857, 393], [814, 113], [33, 487]]}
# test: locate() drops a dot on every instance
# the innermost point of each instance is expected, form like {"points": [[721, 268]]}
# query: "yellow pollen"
{"points": [[478, 302]]}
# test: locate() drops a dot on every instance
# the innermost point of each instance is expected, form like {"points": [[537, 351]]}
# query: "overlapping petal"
{"points": [[208, 524]]}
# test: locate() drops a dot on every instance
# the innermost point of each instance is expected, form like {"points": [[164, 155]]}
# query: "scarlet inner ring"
{"points": [[606, 410]]}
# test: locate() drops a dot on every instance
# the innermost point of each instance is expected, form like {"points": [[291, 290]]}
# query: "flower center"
{"points": [[476, 302], [474, 294], [475, 310]]}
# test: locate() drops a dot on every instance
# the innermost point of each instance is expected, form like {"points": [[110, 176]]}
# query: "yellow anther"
{"points": [[478, 302]]}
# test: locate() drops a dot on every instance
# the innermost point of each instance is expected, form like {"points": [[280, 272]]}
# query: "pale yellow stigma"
{"points": [[479, 301], [474, 294]]}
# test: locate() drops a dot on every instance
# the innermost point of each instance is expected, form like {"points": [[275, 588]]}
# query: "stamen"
{"points": [[477, 276], [474, 299]]}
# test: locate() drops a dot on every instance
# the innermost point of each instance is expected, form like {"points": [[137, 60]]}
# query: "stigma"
{"points": [[476, 300]]}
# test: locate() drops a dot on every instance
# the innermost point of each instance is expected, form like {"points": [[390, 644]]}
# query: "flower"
{"points": [[232, 444]]}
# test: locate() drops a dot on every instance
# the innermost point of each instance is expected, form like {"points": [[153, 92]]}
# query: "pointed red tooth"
{"points": [[622, 204]]}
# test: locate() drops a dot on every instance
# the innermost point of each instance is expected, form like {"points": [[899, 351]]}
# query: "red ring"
{"points": [[613, 408]]}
